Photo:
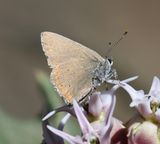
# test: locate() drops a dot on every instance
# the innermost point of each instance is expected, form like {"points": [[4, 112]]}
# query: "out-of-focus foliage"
{"points": [[54, 101], [15, 131], [51, 97], [49, 93]]}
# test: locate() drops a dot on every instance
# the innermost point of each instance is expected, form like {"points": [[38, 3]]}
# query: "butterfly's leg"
{"points": [[113, 73], [115, 82]]}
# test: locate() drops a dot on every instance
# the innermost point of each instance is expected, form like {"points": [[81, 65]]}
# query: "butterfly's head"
{"points": [[109, 72], [110, 61]]}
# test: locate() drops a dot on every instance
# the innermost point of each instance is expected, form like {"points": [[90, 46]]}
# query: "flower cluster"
{"points": [[97, 124]]}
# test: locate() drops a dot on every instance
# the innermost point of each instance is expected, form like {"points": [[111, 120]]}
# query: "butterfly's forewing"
{"points": [[72, 65]]}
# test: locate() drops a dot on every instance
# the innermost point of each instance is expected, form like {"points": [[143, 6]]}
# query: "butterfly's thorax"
{"points": [[103, 72]]}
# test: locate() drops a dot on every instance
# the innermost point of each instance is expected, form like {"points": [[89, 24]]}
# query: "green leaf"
{"points": [[55, 101], [50, 94], [14, 131]]}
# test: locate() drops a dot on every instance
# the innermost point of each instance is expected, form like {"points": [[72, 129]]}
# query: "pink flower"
{"points": [[148, 105], [103, 128], [143, 133], [96, 132]]}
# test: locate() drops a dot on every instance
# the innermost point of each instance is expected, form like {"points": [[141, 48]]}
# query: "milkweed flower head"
{"points": [[145, 132], [97, 131], [148, 105], [97, 124]]}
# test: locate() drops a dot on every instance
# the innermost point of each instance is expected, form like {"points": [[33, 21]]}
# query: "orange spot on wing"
{"points": [[63, 90]]}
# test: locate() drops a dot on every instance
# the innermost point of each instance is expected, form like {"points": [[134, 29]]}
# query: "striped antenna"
{"points": [[111, 46]]}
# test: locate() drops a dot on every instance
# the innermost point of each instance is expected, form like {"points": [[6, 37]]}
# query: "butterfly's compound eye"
{"points": [[110, 61]]}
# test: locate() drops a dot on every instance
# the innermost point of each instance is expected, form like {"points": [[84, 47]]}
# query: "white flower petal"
{"points": [[106, 99], [130, 79], [82, 120], [144, 109], [95, 104], [65, 136], [117, 82], [49, 115], [105, 133], [155, 88], [132, 92]]}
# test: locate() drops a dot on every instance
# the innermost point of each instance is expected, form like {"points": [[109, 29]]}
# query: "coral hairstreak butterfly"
{"points": [[76, 69]]}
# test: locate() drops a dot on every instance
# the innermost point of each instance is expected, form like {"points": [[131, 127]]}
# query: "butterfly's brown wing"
{"points": [[72, 65]]}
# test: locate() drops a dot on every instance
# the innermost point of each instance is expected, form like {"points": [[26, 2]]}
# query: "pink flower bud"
{"points": [[143, 133]]}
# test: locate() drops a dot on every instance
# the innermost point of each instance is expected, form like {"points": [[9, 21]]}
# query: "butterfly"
{"points": [[76, 69]]}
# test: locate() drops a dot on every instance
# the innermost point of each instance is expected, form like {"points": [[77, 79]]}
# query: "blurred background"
{"points": [[92, 23]]}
